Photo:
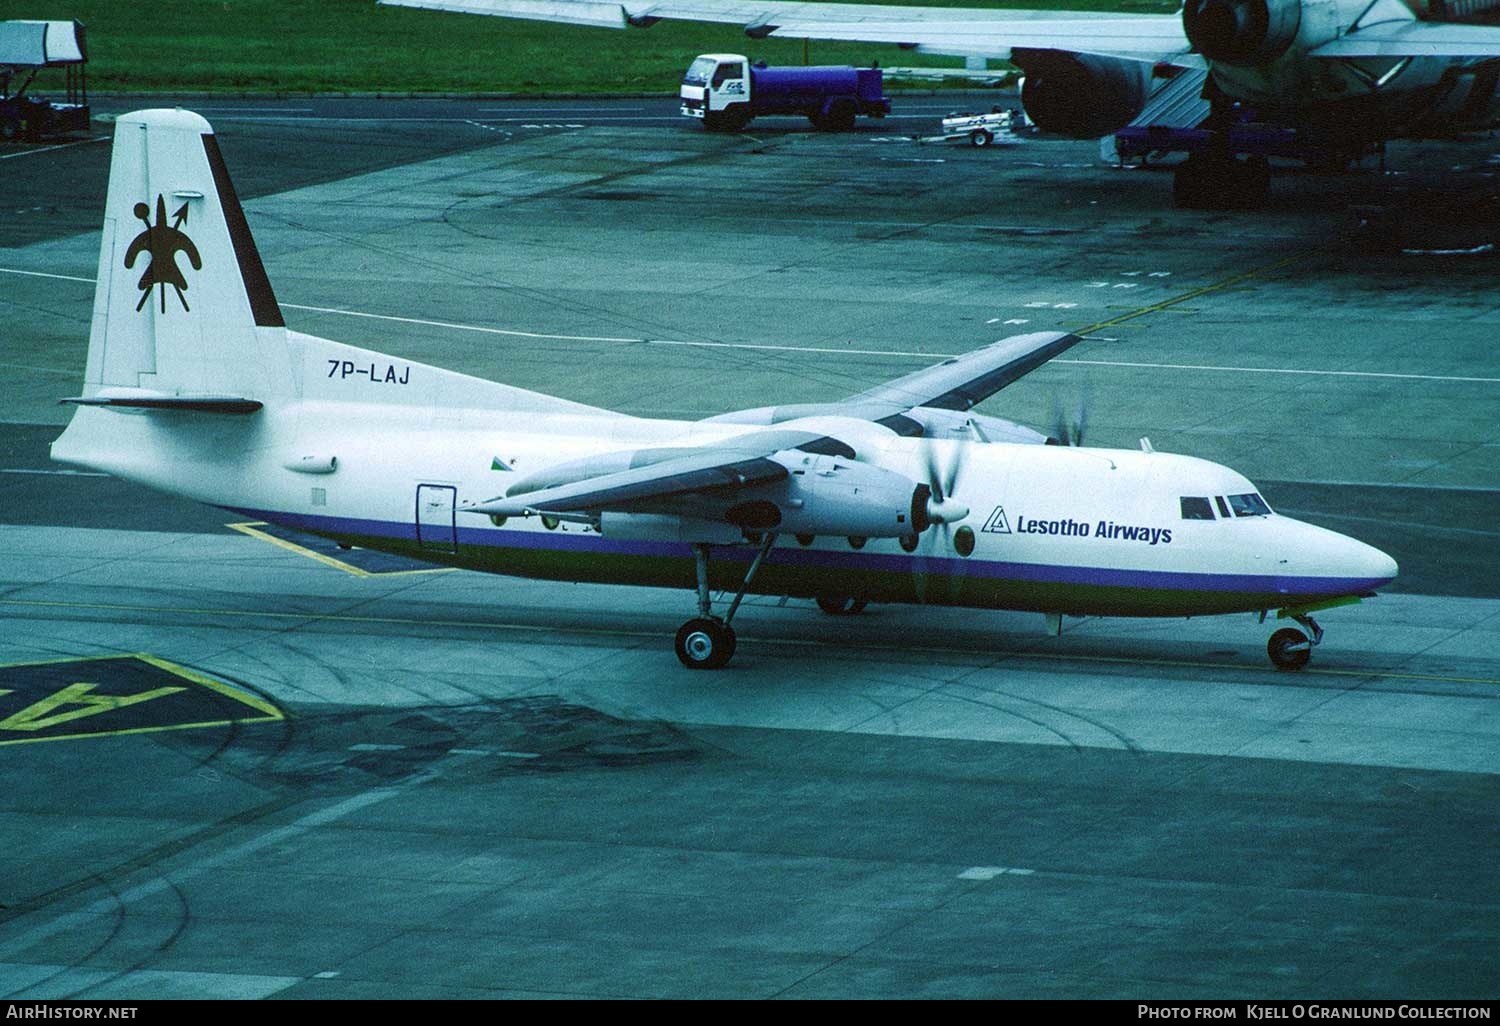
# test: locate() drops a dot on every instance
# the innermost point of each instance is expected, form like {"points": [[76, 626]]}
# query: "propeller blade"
{"points": [[930, 469], [1069, 429], [952, 480], [941, 508]]}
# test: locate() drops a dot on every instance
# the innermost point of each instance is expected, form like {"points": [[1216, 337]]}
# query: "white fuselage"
{"points": [[385, 453], [1379, 97]]}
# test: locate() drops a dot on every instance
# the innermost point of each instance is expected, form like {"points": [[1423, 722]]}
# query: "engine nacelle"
{"points": [[1080, 95], [829, 495], [1241, 31], [972, 427]]}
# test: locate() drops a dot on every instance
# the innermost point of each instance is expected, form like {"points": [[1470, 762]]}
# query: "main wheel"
{"points": [[1289, 649], [1193, 185], [980, 137], [704, 644], [730, 119], [841, 605], [840, 118]]}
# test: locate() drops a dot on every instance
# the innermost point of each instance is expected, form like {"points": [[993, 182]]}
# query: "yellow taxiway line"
{"points": [[842, 644]]}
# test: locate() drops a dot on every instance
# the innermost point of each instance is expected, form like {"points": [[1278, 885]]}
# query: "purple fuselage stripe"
{"points": [[1040, 573]]}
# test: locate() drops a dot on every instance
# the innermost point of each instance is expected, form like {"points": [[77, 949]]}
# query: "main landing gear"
{"points": [[1289, 648], [1221, 181], [706, 642], [1214, 177]]}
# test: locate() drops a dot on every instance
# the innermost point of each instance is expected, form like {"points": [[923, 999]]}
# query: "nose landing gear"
{"points": [[1289, 648]]}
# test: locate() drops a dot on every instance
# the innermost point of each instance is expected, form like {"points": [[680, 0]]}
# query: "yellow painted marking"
{"points": [[36, 715], [254, 701], [31, 718], [1218, 286], [252, 528], [139, 730], [529, 628]]}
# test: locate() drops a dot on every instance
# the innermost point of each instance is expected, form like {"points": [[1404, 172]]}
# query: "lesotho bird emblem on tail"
{"points": [[162, 242]]}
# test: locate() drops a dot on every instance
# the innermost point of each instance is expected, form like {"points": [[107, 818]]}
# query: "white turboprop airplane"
{"points": [[1344, 75], [195, 386]]}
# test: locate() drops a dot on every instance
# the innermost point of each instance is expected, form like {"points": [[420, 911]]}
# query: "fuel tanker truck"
{"points": [[724, 91]]}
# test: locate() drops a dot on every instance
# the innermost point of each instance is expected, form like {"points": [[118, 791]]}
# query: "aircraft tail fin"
{"points": [[184, 315]]}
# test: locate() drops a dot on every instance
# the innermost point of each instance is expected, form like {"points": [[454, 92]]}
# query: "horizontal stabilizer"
{"points": [[184, 403]]}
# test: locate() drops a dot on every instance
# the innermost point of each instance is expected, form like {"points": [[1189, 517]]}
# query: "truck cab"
{"points": [[716, 90]]}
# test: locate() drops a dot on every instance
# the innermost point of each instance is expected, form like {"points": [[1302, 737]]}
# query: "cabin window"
{"points": [[1195, 507], [727, 72], [1250, 505], [963, 541], [1223, 507]]}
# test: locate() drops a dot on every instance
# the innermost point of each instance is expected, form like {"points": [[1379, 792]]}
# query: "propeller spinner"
{"points": [[935, 498]]}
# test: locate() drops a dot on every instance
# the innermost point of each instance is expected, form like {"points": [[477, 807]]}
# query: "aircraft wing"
{"points": [[1404, 38], [964, 381], [954, 31], [650, 477], [665, 479]]}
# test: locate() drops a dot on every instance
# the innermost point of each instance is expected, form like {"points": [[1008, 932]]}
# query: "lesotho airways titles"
{"points": [[897, 494]]}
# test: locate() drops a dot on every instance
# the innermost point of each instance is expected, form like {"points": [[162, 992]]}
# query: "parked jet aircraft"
{"points": [[1346, 74], [195, 386]]}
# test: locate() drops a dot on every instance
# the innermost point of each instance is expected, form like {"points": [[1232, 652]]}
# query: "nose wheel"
{"points": [[1289, 648]]}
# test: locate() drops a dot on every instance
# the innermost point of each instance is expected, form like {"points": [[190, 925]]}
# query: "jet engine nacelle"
{"points": [[1241, 31], [1081, 96], [829, 495]]}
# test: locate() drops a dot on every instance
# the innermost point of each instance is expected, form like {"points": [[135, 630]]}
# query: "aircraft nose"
{"points": [[1379, 567], [1335, 563], [1365, 563]]}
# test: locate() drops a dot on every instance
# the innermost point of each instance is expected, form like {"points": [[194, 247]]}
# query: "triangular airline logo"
{"points": [[996, 523]]}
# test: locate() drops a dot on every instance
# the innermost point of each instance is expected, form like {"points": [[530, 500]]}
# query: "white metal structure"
{"points": [[195, 386]]}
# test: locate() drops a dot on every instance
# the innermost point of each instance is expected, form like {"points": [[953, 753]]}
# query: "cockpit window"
{"points": [[1196, 508], [1250, 505], [698, 72], [1223, 507]]}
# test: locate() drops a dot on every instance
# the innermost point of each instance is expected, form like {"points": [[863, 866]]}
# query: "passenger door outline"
{"points": [[437, 518]]}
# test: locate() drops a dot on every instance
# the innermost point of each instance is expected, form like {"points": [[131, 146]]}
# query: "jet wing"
{"points": [[1405, 38], [651, 478], [964, 381], [955, 31]]}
